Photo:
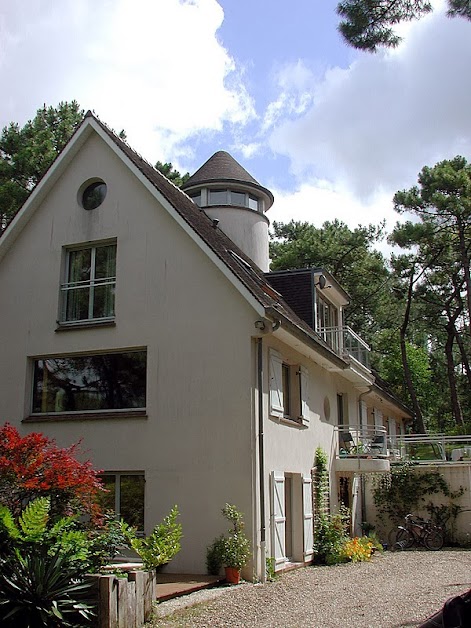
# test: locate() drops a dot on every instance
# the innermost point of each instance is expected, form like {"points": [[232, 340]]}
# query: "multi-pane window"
{"points": [[124, 495], [89, 290], [109, 381], [232, 197]]}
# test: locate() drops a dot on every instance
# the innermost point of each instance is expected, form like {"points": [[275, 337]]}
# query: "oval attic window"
{"points": [[94, 195]]}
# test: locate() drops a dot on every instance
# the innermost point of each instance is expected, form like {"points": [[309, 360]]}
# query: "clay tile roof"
{"points": [[220, 167]]}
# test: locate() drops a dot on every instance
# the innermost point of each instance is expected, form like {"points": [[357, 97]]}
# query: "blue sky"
{"points": [[331, 131]]}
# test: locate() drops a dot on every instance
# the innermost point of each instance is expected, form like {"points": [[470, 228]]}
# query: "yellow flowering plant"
{"points": [[358, 549]]}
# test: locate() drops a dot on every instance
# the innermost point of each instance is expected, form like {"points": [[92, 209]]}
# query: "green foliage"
{"points": [[391, 369], [161, 545], [40, 589], [436, 274], [173, 175], [105, 542], [26, 153], [329, 530], [368, 24], [214, 553], [330, 537], [270, 569], [351, 258], [405, 489], [43, 563], [233, 549]]}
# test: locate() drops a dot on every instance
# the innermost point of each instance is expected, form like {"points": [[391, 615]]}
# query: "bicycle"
{"points": [[418, 531]]}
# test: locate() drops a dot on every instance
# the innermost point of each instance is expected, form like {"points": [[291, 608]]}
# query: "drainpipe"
{"points": [[362, 478], [261, 461]]}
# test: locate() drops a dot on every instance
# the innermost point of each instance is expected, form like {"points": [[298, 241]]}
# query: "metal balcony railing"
{"points": [[345, 342], [438, 448], [357, 441]]}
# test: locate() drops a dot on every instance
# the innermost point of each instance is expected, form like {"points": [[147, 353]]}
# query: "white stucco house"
{"points": [[142, 319]]}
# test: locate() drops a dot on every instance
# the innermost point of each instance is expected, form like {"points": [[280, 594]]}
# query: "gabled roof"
{"points": [[233, 262]]}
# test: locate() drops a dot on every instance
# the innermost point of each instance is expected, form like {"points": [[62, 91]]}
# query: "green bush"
{"points": [[330, 537], [214, 556], [161, 545], [231, 550]]}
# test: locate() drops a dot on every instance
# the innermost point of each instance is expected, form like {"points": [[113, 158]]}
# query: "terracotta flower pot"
{"points": [[232, 575]]}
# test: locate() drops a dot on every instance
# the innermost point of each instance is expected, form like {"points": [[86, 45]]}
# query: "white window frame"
{"points": [[91, 283]]}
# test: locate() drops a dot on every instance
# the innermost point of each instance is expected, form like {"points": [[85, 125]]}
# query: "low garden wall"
{"points": [[125, 602], [457, 476]]}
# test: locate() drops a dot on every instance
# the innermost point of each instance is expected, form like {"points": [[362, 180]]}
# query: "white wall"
{"points": [[195, 444]]}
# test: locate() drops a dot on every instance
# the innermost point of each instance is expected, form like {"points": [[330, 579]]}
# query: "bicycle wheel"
{"points": [[433, 540], [404, 539]]}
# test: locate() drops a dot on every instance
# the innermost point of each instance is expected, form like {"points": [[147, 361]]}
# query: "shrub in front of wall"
{"points": [[330, 537], [33, 466], [161, 545]]}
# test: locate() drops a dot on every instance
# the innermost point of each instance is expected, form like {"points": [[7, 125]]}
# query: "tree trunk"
{"points": [[419, 420], [465, 260], [464, 355], [455, 402]]}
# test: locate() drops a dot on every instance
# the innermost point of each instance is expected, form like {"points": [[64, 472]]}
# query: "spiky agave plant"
{"points": [[42, 570], [38, 589]]}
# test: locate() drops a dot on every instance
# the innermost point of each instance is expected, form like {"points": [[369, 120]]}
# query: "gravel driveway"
{"points": [[393, 590]]}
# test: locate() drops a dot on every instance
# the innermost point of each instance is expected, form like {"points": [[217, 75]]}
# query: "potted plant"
{"points": [[231, 551]]}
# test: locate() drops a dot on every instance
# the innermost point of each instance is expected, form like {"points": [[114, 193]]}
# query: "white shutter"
{"points": [[378, 418], [278, 518], [363, 415], [303, 393], [392, 431], [276, 384], [308, 518]]}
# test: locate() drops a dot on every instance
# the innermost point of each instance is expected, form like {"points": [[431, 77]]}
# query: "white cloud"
{"points": [[371, 127], [154, 68], [321, 200]]}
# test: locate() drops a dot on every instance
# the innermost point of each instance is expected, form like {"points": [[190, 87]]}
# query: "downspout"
{"points": [[362, 477], [261, 460]]}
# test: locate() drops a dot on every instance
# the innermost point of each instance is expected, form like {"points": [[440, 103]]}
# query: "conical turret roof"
{"points": [[220, 167]]}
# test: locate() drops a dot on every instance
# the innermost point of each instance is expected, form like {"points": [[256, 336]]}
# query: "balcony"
{"points": [[361, 449], [346, 343]]}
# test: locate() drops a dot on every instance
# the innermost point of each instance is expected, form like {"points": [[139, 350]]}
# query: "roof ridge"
{"points": [[116, 137]]}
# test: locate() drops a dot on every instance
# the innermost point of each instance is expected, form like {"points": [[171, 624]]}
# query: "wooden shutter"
{"points": [[276, 384], [278, 518], [308, 518], [303, 394]]}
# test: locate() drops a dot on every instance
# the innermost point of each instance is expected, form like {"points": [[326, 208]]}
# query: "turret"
{"points": [[228, 193]]}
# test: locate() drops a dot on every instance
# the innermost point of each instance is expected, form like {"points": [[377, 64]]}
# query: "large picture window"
{"points": [[83, 383], [89, 290], [125, 496]]}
